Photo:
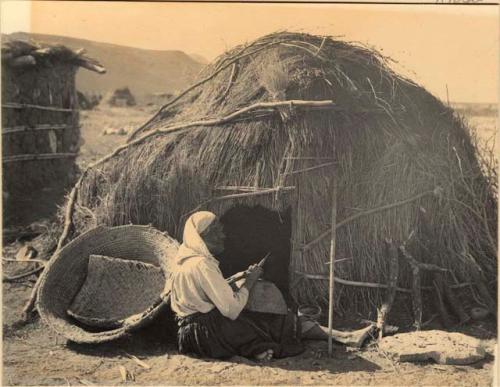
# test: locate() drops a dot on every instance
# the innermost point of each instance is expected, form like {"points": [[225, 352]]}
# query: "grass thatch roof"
{"points": [[390, 139], [25, 54]]}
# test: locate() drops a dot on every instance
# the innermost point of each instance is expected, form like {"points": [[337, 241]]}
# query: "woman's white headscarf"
{"points": [[192, 243]]}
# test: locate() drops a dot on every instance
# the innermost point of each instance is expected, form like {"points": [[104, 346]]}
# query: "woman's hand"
{"points": [[254, 272]]}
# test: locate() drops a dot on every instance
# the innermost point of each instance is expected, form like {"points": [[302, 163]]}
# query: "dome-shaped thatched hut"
{"points": [[258, 140]]}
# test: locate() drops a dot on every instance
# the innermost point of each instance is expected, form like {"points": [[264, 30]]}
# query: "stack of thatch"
{"points": [[269, 123], [39, 123], [88, 101], [121, 97]]}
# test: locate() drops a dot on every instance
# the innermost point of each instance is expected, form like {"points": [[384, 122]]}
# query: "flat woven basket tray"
{"points": [[115, 289]]}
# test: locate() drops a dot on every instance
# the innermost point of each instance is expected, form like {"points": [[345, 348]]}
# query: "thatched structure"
{"points": [[121, 97], [88, 101], [259, 139], [39, 125]]}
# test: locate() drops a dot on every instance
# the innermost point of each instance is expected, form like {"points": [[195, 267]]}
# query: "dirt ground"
{"points": [[35, 355], [94, 122]]}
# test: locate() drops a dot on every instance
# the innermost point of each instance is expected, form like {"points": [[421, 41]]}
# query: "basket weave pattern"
{"points": [[66, 273], [115, 289]]}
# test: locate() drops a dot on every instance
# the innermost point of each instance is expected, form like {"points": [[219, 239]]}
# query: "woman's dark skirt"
{"points": [[213, 335]]}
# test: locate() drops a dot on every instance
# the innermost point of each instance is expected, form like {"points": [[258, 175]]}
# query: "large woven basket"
{"points": [[67, 271], [116, 289]]}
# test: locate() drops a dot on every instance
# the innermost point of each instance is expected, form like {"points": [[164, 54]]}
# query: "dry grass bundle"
{"points": [[274, 76], [391, 141]]}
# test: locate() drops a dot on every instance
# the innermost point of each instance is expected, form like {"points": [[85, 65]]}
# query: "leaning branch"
{"points": [[255, 193], [351, 283], [422, 266], [15, 105], [309, 169], [326, 104], [371, 284], [91, 65], [311, 244], [192, 87], [37, 156], [296, 44], [264, 191], [230, 83], [24, 128]]}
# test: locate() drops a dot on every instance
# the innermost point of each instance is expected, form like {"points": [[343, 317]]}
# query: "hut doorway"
{"points": [[252, 232]]}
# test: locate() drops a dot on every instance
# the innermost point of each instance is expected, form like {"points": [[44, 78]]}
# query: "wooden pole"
{"points": [[455, 304], [479, 280], [333, 242], [37, 156], [383, 312], [439, 301], [417, 297]]}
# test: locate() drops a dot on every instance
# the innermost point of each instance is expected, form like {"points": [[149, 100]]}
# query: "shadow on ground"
{"points": [[156, 340]]}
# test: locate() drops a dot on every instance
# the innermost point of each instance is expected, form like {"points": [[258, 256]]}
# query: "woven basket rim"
{"points": [[129, 323]]}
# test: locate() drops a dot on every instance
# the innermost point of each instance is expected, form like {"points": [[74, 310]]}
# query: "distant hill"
{"points": [[142, 71], [199, 58], [476, 109]]}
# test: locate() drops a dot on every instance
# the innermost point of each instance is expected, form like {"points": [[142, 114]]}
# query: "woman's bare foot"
{"points": [[265, 356], [360, 336], [349, 338]]}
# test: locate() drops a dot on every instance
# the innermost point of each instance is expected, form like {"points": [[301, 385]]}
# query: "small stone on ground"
{"points": [[440, 346]]}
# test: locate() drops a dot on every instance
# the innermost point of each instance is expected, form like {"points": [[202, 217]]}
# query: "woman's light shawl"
{"points": [[192, 243]]}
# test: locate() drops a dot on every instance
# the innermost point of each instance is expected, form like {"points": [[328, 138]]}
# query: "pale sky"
{"points": [[436, 45]]}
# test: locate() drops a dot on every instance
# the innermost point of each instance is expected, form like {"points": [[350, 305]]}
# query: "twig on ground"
{"points": [[7, 278], [391, 362], [26, 261], [137, 360]]}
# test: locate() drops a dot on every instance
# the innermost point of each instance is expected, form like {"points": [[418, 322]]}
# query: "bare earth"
{"points": [[35, 355]]}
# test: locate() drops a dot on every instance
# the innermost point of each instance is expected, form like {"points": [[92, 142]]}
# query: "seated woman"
{"points": [[211, 316]]}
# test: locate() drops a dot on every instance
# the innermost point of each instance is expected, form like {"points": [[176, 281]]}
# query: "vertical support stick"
{"points": [[417, 297], [30, 305], [256, 180], [333, 242], [439, 301], [297, 240], [383, 312], [479, 280], [455, 304]]}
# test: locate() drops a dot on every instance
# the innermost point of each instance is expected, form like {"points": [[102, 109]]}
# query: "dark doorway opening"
{"points": [[252, 232]]}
